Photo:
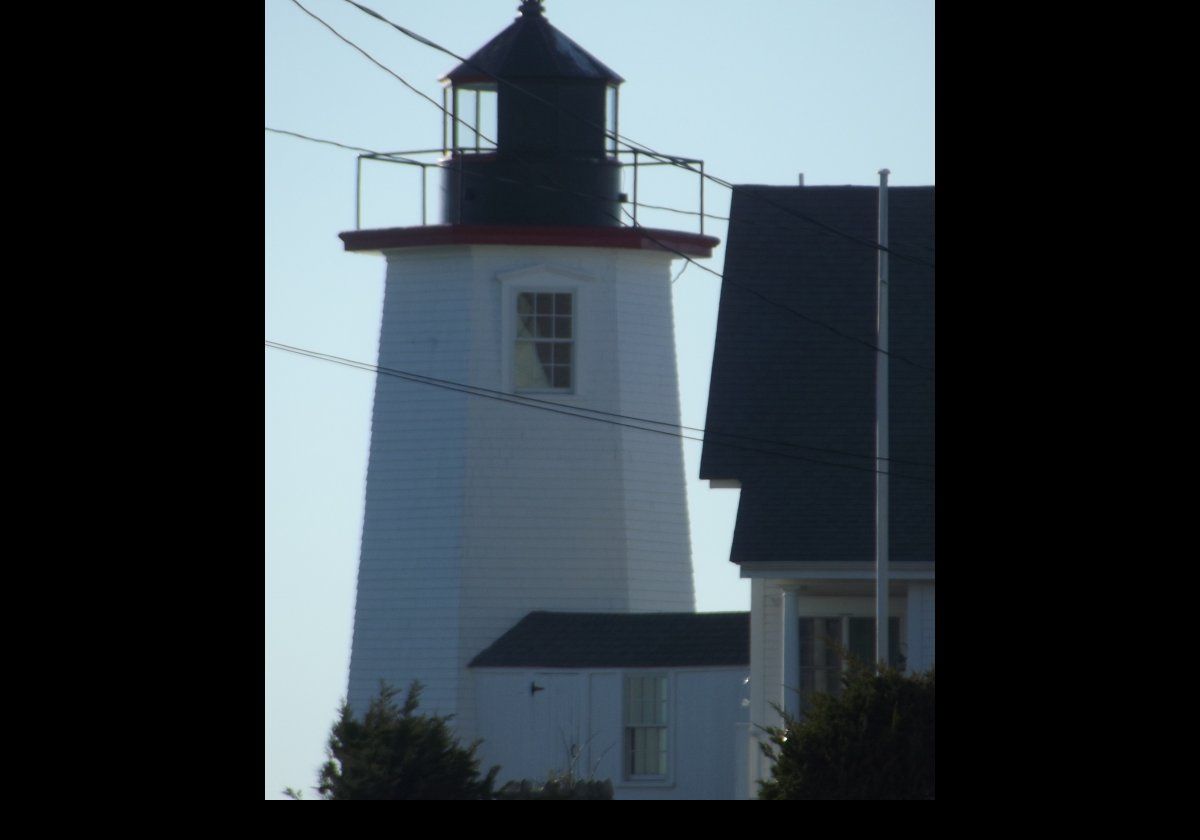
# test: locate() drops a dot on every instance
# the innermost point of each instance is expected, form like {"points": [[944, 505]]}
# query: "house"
{"points": [[656, 702], [525, 547], [791, 422]]}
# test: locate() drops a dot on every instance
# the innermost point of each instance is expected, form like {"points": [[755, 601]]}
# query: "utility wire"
{"points": [[562, 408], [649, 236], [396, 156], [756, 293], [388, 155], [630, 143], [527, 398], [369, 57]]}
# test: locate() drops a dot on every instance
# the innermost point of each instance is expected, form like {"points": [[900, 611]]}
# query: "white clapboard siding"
{"points": [[532, 735], [479, 511], [920, 626]]}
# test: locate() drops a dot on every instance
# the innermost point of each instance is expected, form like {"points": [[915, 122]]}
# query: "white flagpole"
{"points": [[881, 435]]}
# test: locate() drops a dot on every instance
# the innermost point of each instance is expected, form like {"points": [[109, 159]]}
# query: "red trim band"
{"points": [[650, 239]]}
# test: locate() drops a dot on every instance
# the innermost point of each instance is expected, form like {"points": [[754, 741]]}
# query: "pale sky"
{"points": [[761, 90]]}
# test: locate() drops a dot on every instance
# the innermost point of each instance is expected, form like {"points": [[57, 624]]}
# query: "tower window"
{"points": [[472, 124], [545, 341], [610, 122]]}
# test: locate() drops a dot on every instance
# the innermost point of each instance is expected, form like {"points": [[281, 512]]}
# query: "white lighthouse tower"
{"points": [[481, 510]]}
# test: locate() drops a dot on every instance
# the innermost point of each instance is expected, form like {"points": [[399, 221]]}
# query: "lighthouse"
{"points": [[532, 489]]}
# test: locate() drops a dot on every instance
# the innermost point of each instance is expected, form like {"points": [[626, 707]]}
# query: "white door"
{"points": [[557, 725]]}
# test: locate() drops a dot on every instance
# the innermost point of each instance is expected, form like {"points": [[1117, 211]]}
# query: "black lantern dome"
{"points": [[531, 134]]}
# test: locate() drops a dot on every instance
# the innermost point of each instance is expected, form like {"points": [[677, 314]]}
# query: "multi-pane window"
{"points": [[822, 641], [545, 341], [645, 727], [820, 657]]}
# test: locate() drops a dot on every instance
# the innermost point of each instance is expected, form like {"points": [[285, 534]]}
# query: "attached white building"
{"points": [[791, 422], [656, 702]]}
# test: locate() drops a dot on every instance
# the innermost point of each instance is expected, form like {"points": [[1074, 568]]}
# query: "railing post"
{"points": [[423, 200], [635, 186], [702, 197], [445, 116], [358, 193]]}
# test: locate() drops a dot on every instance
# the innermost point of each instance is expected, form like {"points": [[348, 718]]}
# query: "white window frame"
{"points": [[527, 347], [627, 727], [844, 619], [544, 279]]}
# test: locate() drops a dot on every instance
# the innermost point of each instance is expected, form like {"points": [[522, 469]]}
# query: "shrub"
{"points": [[874, 741], [558, 788], [395, 753]]}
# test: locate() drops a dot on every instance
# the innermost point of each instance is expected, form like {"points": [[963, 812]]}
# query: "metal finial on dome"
{"points": [[531, 7]]}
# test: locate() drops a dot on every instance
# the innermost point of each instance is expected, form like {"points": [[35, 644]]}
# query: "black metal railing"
{"points": [[638, 160]]}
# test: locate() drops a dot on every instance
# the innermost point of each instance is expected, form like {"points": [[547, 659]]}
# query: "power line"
{"points": [[630, 143], [437, 105], [527, 398], [576, 411], [369, 57], [647, 235], [751, 290], [395, 156], [645, 232], [300, 136]]}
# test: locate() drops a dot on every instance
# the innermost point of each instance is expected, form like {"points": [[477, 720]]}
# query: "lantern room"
{"points": [[530, 132]]}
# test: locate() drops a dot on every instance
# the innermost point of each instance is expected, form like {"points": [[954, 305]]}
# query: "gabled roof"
{"points": [[779, 377], [621, 640], [530, 48]]}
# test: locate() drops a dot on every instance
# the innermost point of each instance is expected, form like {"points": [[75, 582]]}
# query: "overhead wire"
{"points": [[532, 399], [398, 156], [582, 412], [648, 234], [630, 143], [641, 147]]}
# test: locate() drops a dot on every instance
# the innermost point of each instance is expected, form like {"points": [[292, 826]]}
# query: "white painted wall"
{"points": [[764, 645], [766, 650], [920, 626], [656, 517], [479, 511], [531, 734], [407, 609]]}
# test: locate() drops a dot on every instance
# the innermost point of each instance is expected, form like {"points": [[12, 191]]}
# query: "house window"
{"points": [[822, 644], [820, 658], [545, 341], [646, 727]]}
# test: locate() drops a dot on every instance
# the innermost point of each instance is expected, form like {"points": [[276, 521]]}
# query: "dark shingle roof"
{"points": [[779, 377], [621, 640], [530, 48]]}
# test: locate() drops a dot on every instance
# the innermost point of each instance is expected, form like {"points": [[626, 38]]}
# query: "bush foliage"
{"points": [[564, 787], [395, 753], [874, 741]]}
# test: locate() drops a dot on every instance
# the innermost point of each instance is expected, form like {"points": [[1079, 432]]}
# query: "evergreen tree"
{"points": [[395, 753]]}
